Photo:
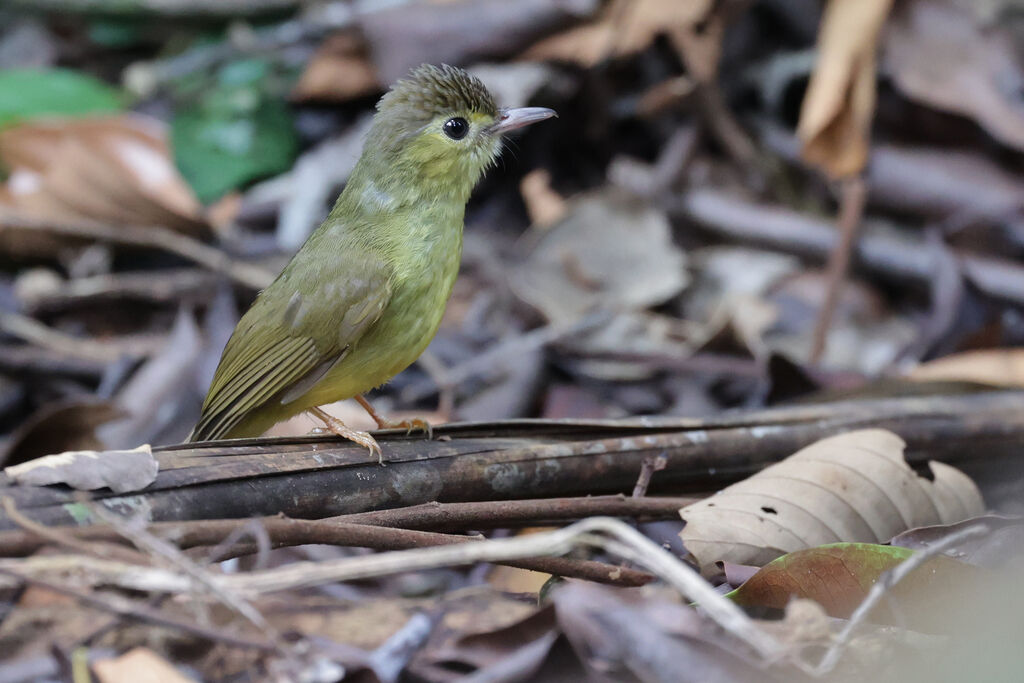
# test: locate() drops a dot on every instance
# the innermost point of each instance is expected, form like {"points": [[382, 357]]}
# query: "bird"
{"points": [[364, 295]]}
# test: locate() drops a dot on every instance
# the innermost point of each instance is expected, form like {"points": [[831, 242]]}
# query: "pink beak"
{"points": [[510, 119]]}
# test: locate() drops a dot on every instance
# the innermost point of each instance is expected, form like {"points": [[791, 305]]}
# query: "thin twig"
{"points": [[88, 350], [598, 532], [152, 237], [134, 610], [853, 194], [61, 537], [495, 359], [176, 558], [647, 470], [885, 584], [438, 517], [289, 532]]}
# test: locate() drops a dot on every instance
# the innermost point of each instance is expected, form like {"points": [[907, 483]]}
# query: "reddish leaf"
{"points": [[838, 576]]}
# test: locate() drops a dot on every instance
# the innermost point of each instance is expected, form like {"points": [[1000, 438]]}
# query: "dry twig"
{"points": [[853, 195], [603, 533], [150, 237]]}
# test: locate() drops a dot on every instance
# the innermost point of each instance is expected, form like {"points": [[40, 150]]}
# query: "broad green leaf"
{"points": [[838, 577], [234, 130], [31, 93]]}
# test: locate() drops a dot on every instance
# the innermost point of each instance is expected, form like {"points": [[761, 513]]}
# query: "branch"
{"points": [[428, 516], [300, 477], [904, 259], [597, 532], [150, 237]]}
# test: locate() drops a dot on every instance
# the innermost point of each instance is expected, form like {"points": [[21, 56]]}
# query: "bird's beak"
{"points": [[510, 119]]}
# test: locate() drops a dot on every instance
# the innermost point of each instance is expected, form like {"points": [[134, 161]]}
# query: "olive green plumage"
{"points": [[365, 294]]}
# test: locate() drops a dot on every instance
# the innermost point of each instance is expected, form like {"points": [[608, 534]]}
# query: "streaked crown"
{"points": [[430, 91]]}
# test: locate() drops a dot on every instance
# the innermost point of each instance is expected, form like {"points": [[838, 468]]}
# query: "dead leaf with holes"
{"points": [[835, 118], [852, 487]]}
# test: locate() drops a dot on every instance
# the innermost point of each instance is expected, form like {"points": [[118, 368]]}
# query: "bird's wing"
{"points": [[298, 328]]}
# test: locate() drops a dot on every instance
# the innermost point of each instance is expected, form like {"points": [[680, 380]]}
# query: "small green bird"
{"points": [[364, 295]]}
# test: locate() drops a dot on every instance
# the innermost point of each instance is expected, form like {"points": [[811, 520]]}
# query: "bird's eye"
{"points": [[456, 128]]}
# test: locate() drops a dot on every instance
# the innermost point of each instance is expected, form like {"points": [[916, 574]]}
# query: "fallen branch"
{"points": [[150, 237], [131, 609], [282, 533], [301, 477], [904, 259], [165, 286], [432, 516], [287, 532], [597, 532]]}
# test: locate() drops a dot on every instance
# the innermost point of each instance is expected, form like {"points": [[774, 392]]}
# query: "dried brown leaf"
{"points": [[135, 666], [1002, 546], [59, 426], [543, 204], [941, 56], [339, 70], [849, 487], [623, 28], [608, 251], [112, 170], [121, 471], [995, 367], [835, 119]]}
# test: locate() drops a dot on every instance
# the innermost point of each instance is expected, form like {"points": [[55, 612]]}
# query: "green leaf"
{"points": [[30, 93], [116, 32], [838, 576], [219, 147]]}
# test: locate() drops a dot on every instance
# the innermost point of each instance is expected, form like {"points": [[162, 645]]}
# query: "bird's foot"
{"points": [[409, 426], [336, 426]]}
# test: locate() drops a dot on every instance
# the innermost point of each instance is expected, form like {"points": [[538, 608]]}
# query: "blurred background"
{"points": [[742, 202]]}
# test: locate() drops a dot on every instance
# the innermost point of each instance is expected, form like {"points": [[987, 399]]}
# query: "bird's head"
{"points": [[441, 126]]}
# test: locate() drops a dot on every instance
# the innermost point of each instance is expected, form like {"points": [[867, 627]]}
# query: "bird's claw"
{"points": [[366, 439], [410, 426], [339, 428]]}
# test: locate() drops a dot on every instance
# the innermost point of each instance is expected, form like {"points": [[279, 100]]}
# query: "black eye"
{"points": [[456, 128]]}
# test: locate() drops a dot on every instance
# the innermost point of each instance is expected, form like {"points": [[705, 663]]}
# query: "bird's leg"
{"points": [[336, 426], [384, 423]]}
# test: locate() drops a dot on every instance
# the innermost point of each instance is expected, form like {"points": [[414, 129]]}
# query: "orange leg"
{"points": [[384, 423], [336, 426]]}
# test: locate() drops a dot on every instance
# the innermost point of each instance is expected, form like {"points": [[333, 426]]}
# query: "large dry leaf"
{"points": [[941, 56], [140, 665], [852, 487], [120, 471], [835, 118], [995, 367], [1001, 546], [624, 27], [340, 70], [112, 170], [608, 252]]}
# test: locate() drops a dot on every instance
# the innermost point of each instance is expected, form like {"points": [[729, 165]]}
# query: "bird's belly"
{"points": [[394, 342]]}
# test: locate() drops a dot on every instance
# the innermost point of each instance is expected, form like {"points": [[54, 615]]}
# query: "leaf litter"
{"points": [[603, 277]]}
